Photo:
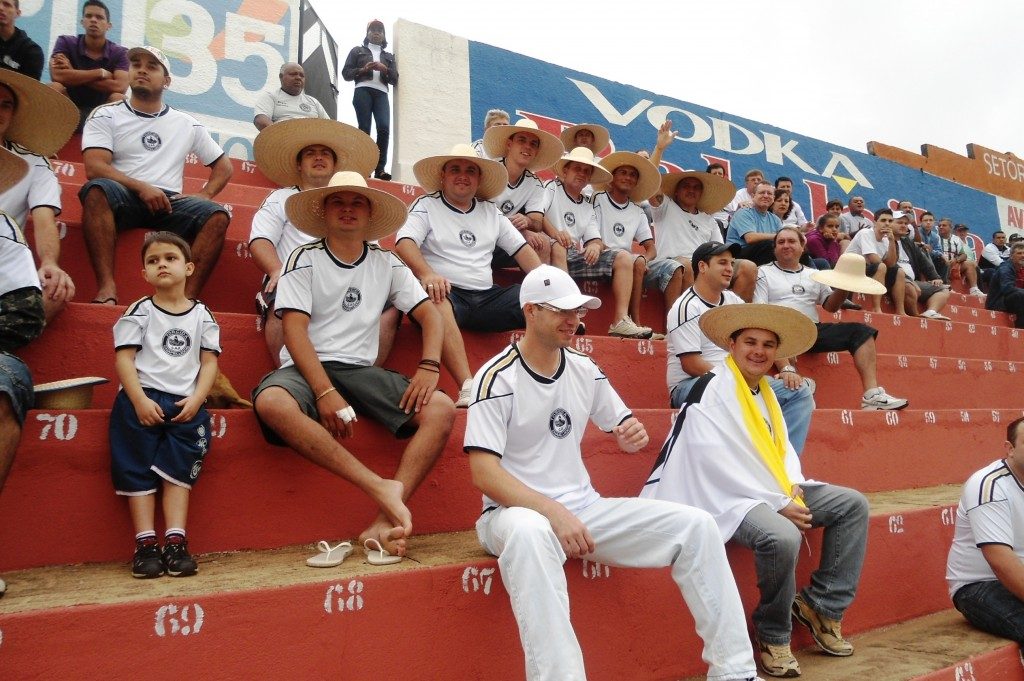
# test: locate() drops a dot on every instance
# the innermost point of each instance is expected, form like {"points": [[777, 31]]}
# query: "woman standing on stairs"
{"points": [[373, 69]]}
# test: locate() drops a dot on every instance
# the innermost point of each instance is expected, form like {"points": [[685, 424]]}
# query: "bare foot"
{"points": [[393, 539], [389, 498]]}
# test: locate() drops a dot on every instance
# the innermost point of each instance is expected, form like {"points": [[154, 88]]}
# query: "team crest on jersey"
{"points": [[569, 219], [507, 206], [559, 423], [305, 107], [351, 299], [619, 229], [798, 289], [177, 342], [467, 238], [151, 140]]}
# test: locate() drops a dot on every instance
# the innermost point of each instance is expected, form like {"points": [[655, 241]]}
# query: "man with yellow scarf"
{"points": [[729, 454]]}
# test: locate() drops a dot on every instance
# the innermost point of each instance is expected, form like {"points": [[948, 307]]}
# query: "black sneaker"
{"points": [[178, 561], [147, 563], [382, 175]]}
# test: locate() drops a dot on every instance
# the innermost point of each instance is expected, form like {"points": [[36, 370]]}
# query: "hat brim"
{"points": [[44, 119], [12, 169], [305, 210], [795, 330], [70, 393], [849, 282], [493, 176], [550, 150], [601, 136], [717, 193], [600, 175], [574, 301], [277, 147], [649, 181]]}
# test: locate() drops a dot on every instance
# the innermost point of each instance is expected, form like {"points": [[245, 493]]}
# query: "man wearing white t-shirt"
{"points": [[289, 101], [530, 408], [854, 219], [744, 197], [985, 568], [878, 246], [134, 153]]}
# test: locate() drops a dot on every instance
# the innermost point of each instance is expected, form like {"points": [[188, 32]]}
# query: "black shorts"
{"points": [[493, 309], [848, 336]]}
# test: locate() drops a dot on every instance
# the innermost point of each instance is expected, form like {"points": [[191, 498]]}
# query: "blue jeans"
{"points": [[368, 101], [776, 541], [991, 607], [797, 407], [16, 383]]}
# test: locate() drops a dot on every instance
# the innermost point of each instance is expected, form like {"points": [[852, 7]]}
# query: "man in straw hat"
{"points": [[691, 354], [590, 135], [786, 282], [327, 378], [523, 149], [579, 249], [35, 122], [448, 241], [134, 153], [301, 155], [523, 437], [728, 453]]}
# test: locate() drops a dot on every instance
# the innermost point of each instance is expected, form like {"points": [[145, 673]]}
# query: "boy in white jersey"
{"points": [[530, 408], [330, 297], [167, 347], [134, 153]]}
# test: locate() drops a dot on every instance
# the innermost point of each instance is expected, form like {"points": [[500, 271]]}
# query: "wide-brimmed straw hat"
{"points": [[277, 148], [585, 156], [717, 194], [70, 393], [849, 275], [649, 181], [305, 209], [12, 169], [43, 120], [550, 150], [601, 136], [795, 330], [493, 176]]}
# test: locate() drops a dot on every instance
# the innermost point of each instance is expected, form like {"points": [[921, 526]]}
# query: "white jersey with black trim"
{"points": [[151, 148], [684, 334], [344, 300], [790, 288], [535, 423], [525, 196], [620, 225], [17, 267], [167, 344], [991, 511], [271, 223], [460, 245], [681, 232], [576, 217], [38, 189]]}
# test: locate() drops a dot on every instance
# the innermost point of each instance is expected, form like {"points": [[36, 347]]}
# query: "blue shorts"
{"points": [[186, 219], [16, 383], [141, 456], [493, 309], [660, 272]]}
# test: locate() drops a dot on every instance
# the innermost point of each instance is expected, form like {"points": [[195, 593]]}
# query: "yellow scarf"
{"points": [[770, 445]]}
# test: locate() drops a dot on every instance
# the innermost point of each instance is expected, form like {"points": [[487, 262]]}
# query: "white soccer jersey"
{"points": [[795, 289], [864, 242], [149, 147], [281, 106], [525, 196], [680, 232], [576, 217], [39, 187], [535, 424], [684, 334], [459, 245], [271, 223], [167, 344], [17, 268], [344, 300], [991, 511], [620, 225]]}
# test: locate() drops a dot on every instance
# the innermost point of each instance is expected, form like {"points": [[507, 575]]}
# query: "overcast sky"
{"points": [[901, 72]]}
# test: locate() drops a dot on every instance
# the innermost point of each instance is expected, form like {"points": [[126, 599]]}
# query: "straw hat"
{"points": [[848, 275], [601, 136], [493, 176], [585, 156], [44, 119], [305, 209], [717, 194], [277, 147], [551, 148], [71, 393], [650, 178], [795, 330], [12, 169]]}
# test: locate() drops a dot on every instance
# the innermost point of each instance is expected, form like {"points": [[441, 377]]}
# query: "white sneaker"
{"points": [[626, 328], [465, 393], [877, 399], [932, 314], [977, 292]]}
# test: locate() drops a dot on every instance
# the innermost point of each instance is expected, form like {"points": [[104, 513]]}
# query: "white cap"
{"points": [[156, 54], [897, 214], [547, 284]]}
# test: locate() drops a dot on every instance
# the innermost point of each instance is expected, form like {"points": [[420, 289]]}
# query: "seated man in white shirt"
{"points": [[492, 117], [954, 250], [878, 246], [744, 197], [287, 102]]}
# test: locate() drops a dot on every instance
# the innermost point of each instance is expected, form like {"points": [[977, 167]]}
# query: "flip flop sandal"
{"points": [[104, 301], [376, 555], [330, 556]]}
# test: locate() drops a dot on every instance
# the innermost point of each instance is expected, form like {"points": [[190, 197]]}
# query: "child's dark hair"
{"points": [[166, 238]]}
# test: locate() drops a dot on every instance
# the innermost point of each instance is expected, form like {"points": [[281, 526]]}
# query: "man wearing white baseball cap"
{"points": [[529, 410]]}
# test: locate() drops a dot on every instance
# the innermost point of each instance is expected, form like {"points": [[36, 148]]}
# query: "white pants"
{"points": [[628, 533]]}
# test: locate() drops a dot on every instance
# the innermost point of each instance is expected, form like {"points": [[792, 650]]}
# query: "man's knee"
{"points": [[439, 411], [95, 201], [275, 404], [217, 225]]}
